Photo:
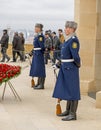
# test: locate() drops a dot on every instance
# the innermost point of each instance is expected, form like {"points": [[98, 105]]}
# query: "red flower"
{"points": [[8, 71]]}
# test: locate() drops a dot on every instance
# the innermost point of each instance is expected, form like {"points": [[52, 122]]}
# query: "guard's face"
{"points": [[37, 30], [68, 31]]}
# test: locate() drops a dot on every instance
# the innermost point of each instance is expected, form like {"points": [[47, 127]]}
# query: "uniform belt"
{"points": [[36, 49], [67, 60]]}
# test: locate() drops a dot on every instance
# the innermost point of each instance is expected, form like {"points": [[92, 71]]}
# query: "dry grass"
{"points": [[28, 48]]}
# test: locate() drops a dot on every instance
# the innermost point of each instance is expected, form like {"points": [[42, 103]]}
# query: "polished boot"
{"points": [[65, 113], [72, 113], [41, 85], [38, 82]]}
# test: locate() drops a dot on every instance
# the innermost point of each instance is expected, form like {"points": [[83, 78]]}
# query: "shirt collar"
{"points": [[70, 36]]}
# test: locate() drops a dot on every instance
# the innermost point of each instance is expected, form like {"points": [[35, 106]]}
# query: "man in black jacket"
{"points": [[4, 46], [17, 47], [48, 47], [22, 46], [56, 47]]}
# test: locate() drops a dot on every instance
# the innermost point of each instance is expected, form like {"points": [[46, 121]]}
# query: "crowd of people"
{"points": [[17, 46], [53, 43]]}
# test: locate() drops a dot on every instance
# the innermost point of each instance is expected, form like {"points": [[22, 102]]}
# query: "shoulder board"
{"points": [[39, 34], [73, 37]]}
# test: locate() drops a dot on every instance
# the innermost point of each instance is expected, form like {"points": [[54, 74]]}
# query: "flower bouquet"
{"points": [[7, 72]]}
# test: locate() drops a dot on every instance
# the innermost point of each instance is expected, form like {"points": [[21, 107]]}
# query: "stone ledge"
{"points": [[87, 86], [98, 99]]}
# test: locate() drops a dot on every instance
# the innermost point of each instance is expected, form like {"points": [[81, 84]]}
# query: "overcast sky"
{"points": [[25, 13]]}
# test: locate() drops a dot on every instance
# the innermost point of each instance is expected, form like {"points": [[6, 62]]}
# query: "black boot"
{"points": [[2, 61], [38, 82], [41, 85], [8, 59], [72, 113], [65, 113]]}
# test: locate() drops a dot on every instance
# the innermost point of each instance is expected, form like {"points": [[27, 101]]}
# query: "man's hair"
{"points": [[60, 30], [46, 33], [54, 33], [5, 30]]}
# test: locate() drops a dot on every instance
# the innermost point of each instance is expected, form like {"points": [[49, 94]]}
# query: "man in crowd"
{"points": [[17, 47], [56, 47], [61, 36], [4, 46], [22, 45], [48, 46]]}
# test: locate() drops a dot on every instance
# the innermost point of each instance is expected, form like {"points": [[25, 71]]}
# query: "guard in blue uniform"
{"points": [[67, 85], [38, 65]]}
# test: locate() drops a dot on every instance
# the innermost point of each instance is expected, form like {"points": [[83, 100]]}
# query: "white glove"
{"points": [[54, 67], [27, 55]]}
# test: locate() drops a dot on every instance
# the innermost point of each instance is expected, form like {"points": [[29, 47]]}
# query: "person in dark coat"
{"points": [[48, 47], [67, 86], [4, 46], [56, 47], [17, 47], [22, 45], [38, 65]]}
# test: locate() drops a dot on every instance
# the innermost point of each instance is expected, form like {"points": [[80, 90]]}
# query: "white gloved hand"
{"points": [[54, 67], [27, 55]]}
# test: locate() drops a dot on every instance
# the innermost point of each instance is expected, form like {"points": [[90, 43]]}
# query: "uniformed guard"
{"points": [[38, 65], [67, 85]]}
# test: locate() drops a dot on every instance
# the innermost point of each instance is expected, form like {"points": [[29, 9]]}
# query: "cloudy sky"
{"points": [[25, 13]]}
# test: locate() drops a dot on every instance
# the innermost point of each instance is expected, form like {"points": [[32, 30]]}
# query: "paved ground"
{"points": [[37, 109]]}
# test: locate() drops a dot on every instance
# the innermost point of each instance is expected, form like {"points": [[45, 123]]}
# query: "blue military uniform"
{"points": [[38, 65], [67, 85]]}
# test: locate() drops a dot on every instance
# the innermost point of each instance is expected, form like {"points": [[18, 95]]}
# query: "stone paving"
{"points": [[36, 111]]}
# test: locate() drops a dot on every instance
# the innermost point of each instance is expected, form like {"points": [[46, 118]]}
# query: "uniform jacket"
{"points": [[67, 86], [38, 65]]}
